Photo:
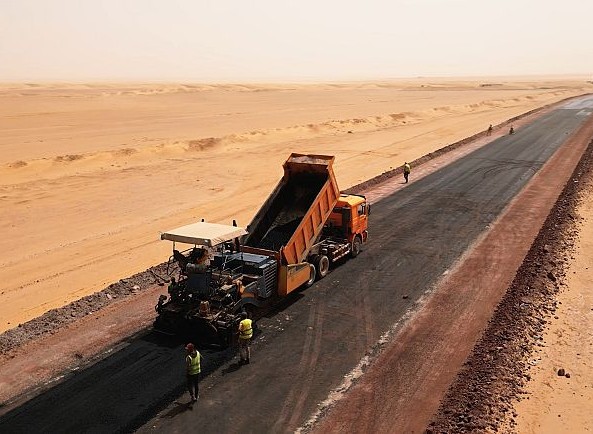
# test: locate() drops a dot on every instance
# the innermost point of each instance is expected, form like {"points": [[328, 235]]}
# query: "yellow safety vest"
{"points": [[407, 168], [245, 329], [194, 364]]}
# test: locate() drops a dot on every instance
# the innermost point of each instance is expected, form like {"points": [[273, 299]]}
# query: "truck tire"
{"points": [[356, 246], [321, 263], [311, 280]]}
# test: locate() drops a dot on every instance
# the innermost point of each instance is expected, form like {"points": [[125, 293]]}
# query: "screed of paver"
{"points": [[402, 389], [555, 404]]}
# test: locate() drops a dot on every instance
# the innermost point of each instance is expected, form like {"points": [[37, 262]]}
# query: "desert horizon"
{"points": [[287, 81]]}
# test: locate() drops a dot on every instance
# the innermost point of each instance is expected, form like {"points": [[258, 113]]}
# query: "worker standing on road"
{"points": [[245, 335], [407, 170], [192, 363], [512, 130], [489, 131]]}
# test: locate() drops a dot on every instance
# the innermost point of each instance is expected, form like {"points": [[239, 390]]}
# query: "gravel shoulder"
{"points": [[486, 393], [553, 403]]}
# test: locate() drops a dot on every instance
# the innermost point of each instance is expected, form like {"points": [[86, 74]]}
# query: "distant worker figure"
{"points": [[489, 131], [245, 335], [512, 130], [193, 369], [407, 170]]}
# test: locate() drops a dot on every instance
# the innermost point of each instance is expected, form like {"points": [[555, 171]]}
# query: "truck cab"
{"points": [[350, 215]]}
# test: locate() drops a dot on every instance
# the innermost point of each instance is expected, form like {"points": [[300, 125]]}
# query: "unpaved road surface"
{"points": [[304, 350]]}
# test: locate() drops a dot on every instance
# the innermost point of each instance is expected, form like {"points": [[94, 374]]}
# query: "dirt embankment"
{"points": [[54, 319], [481, 397]]}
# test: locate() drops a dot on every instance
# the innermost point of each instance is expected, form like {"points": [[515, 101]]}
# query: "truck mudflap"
{"points": [[293, 276]]}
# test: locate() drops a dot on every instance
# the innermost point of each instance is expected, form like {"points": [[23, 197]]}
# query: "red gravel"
{"points": [[493, 376], [58, 318]]}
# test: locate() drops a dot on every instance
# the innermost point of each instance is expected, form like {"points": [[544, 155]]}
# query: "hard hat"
{"points": [[190, 347]]}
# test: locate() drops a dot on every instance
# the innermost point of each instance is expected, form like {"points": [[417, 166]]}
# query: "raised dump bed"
{"points": [[291, 220]]}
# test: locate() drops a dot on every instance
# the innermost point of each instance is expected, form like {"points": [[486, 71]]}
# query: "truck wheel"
{"points": [[311, 280], [356, 246], [321, 266]]}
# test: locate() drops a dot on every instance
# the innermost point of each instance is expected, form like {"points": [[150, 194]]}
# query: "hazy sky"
{"points": [[224, 40]]}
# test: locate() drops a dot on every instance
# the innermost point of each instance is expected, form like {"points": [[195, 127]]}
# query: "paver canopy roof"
{"points": [[203, 234]]}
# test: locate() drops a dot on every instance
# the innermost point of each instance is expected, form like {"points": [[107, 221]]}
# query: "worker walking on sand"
{"points": [[193, 368], [489, 131], [407, 170], [245, 335]]}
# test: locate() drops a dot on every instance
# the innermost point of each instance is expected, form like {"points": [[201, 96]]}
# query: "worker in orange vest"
{"points": [[245, 335]]}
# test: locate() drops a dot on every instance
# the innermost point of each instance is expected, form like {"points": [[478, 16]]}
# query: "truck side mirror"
{"points": [[368, 209]]}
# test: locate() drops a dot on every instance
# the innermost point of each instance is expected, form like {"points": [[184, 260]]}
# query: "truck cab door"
{"points": [[361, 212]]}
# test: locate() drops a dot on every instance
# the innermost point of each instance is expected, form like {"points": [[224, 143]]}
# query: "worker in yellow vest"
{"points": [[192, 363], [407, 170], [245, 335]]}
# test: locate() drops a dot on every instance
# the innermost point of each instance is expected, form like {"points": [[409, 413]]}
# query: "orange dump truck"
{"points": [[303, 228], [306, 224]]}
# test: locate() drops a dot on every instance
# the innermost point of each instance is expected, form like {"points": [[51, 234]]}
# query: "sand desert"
{"points": [[90, 173]]}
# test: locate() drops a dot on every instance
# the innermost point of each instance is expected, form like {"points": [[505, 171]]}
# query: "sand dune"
{"points": [[90, 173], [331, 127]]}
